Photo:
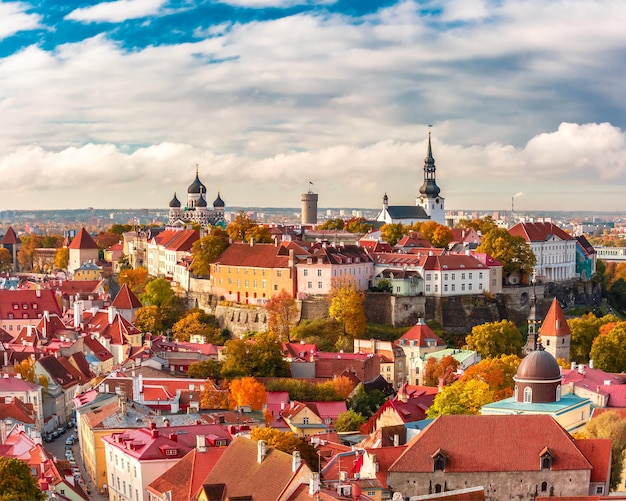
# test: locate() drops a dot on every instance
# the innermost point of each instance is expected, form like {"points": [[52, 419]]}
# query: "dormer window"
{"points": [[439, 460], [546, 459]]}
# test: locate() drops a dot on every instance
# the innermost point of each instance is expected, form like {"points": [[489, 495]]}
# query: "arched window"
{"points": [[515, 392], [558, 393], [544, 486], [437, 487], [528, 394], [439, 464]]}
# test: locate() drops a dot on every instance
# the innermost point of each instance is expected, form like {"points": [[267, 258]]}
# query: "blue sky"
{"points": [[112, 104]]}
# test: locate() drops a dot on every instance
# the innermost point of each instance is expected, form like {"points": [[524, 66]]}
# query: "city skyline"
{"points": [[113, 104]]}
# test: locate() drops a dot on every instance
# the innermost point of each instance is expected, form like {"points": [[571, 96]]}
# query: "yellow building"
{"points": [[302, 420], [88, 271], [253, 273]]}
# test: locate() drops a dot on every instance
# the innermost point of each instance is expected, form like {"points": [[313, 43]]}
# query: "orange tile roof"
{"points": [[538, 232], [421, 334], [31, 303], [598, 452], [126, 299], [254, 256], [10, 237], [555, 323]]}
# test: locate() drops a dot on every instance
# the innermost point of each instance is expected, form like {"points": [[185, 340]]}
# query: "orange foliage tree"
{"points": [[214, 397], [136, 279], [282, 311], [438, 369], [247, 391], [497, 373]]}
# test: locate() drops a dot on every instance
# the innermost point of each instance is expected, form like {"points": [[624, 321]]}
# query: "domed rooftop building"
{"points": [[197, 210], [538, 379]]}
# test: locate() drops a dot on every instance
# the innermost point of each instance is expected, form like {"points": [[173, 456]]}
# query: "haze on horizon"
{"points": [[113, 104]]}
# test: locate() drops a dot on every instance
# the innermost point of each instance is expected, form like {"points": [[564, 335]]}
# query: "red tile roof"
{"points": [[539, 232], [83, 241], [453, 262], [422, 335], [29, 304], [491, 444], [10, 237], [598, 452], [126, 299], [555, 323], [254, 256]]}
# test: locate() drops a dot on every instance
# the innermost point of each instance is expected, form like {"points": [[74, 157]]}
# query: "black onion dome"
{"points": [[201, 202], [539, 365], [429, 188], [196, 186], [218, 201], [175, 203]]}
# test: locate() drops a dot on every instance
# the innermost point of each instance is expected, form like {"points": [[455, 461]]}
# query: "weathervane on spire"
{"points": [[430, 126]]}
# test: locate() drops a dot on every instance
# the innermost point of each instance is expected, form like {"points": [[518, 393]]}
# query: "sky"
{"points": [[113, 104]]}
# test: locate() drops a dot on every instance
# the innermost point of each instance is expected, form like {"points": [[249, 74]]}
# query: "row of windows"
{"points": [[445, 276], [305, 272], [34, 306], [453, 287]]}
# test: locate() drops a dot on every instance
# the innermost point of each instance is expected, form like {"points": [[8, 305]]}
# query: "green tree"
{"points": [[238, 229], [333, 224], [609, 349], [324, 333], [513, 252], [437, 370], [16, 483], [392, 232], [206, 250], [6, 260], [493, 339], [259, 234], [497, 373], [61, 258], [148, 319], [365, 403], [349, 421], [461, 398], [123, 262], [346, 306], [206, 369], [617, 294], [282, 311], [157, 293], [610, 425], [261, 358], [120, 229]]}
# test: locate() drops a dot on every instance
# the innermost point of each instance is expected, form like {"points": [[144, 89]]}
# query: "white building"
{"points": [[455, 275]]}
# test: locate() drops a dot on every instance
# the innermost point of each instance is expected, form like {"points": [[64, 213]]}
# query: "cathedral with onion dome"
{"points": [[196, 210]]}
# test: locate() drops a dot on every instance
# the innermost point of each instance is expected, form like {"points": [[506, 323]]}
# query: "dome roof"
{"points": [[196, 186], [218, 201], [201, 202], [175, 203], [539, 365]]}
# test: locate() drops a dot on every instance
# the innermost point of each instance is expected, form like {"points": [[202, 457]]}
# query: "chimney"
{"points": [[260, 451], [396, 440], [201, 443], [591, 363], [314, 484], [296, 461], [112, 311], [78, 313], [38, 292]]}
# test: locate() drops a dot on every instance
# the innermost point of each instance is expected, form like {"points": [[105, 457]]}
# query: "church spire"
{"points": [[429, 188]]}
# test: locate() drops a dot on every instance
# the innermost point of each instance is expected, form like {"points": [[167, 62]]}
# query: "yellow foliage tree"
{"points": [[61, 258], [6, 261], [282, 311], [136, 279], [26, 369], [247, 391], [213, 397], [346, 306]]}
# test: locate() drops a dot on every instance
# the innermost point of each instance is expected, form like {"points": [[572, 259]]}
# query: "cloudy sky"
{"points": [[112, 104]]}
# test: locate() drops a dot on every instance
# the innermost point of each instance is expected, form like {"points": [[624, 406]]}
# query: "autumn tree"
{"points": [[26, 369], [482, 226], [461, 398], [239, 227], [148, 319], [6, 260], [497, 373], [259, 234], [332, 224], [346, 306], [349, 421], [357, 225], [336, 389], [493, 339], [513, 252], [288, 443], [437, 234], [263, 357], [324, 333], [440, 371], [205, 369], [213, 397], [611, 425], [120, 229], [608, 351], [26, 253], [106, 239], [61, 258], [392, 232], [247, 391], [157, 292], [584, 330], [282, 311], [136, 279], [192, 324], [206, 250], [16, 482]]}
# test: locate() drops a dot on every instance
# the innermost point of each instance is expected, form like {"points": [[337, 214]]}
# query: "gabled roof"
{"points": [[459, 262], [492, 444], [413, 241], [14, 408], [420, 335], [254, 256], [242, 475], [598, 452], [407, 212], [58, 372], [83, 241], [126, 299], [539, 232], [10, 237], [555, 323], [27, 304]]}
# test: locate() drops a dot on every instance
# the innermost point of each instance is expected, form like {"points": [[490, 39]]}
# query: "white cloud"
{"points": [[14, 17], [117, 11], [262, 4]]}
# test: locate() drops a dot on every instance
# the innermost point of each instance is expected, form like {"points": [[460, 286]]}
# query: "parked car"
{"points": [[69, 440]]}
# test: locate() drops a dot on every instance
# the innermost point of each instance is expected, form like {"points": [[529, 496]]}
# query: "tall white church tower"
{"points": [[429, 198]]}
